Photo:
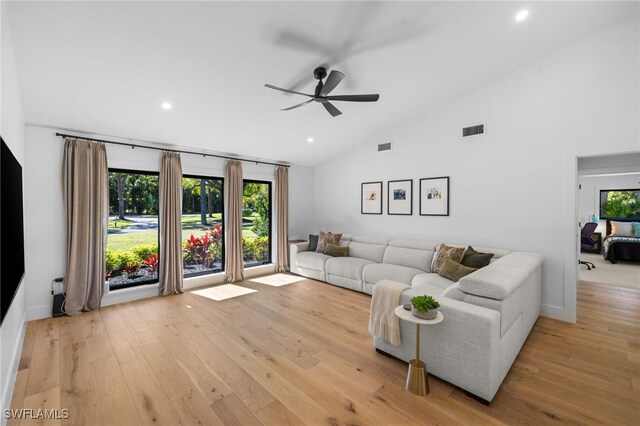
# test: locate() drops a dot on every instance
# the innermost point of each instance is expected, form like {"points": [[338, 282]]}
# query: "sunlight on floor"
{"points": [[277, 280], [223, 292]]}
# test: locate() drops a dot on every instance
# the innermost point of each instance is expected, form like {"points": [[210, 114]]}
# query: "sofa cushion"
{"points": [[431, 284], [348, 267], [312, 260], [454, 270], [476, 259], [413, 244], [412, 258], [336, 251], [383, 271], [313, 242], [445, 251], [367, 248], [325, 238]]}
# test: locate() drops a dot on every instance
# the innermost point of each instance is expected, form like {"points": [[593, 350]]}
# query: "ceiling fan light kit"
{"points": [[321, 94]]}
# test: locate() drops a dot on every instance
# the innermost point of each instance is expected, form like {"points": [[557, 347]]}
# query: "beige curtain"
{"points": [[170, 189], [233, 189], [282, 218], [85, 182]]}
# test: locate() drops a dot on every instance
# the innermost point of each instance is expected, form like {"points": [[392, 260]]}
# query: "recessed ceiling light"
{"points": [[522, 15], [166, 105], [309, 140]]}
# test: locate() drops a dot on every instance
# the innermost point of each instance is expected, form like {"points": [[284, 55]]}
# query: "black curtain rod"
{"points": [[202, 154]]}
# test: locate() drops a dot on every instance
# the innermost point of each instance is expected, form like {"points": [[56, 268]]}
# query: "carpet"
{"points": [[223, 292], [623, 274]]}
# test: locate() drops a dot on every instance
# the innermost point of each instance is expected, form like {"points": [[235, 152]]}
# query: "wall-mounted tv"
{"points": [[11, 227], [620, 203]]}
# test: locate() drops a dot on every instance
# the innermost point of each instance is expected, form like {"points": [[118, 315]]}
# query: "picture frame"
{"points": [[400, 197], [371, 198], [434, 196]]}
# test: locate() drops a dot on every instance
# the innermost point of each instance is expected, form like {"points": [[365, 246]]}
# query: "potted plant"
{"points": [[425, 307]]}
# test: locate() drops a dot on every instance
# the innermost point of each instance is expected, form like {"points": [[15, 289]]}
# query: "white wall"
{"points": [[515, 186], [45, 210], [12, 131]]}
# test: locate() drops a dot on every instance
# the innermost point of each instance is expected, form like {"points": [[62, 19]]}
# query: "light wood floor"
{"points": [[301, 354]]}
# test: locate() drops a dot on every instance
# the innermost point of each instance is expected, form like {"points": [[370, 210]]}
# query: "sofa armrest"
{"points": [[294, 249], [502, 277]]}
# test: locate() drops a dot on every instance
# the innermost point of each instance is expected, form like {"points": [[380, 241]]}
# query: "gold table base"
{"points": [[417, 380]]}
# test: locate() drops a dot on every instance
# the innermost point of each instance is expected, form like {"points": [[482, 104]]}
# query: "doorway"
{"points": [[609, 197]]}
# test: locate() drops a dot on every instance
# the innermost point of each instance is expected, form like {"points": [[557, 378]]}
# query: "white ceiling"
{"points": [[105, 67]]}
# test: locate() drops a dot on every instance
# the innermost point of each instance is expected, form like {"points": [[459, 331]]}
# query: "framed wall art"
{"points": [[400, 197], [434, 196], [371, 198]]}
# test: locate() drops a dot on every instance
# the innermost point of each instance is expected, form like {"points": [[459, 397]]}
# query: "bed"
{"points": [[617, 248]]}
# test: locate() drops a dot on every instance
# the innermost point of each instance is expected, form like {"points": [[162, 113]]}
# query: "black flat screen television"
{"points": [[11, 227]]}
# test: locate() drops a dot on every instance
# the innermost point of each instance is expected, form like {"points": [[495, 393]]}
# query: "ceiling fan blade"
{"points": [[296, 106], [330, 108], [335, 77], [354, 98], [270, 86]]}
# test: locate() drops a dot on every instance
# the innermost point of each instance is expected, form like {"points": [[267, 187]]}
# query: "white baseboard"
{"points": [[7, 389], [555, 312], [39, 312]]}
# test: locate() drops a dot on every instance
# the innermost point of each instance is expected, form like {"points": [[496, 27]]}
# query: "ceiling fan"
{"points": [[323, 89]]}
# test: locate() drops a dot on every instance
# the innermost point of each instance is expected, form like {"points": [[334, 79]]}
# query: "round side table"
{"points": [[417, 379]]}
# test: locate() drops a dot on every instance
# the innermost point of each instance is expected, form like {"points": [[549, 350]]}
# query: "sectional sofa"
{"points": [[488, 314]]}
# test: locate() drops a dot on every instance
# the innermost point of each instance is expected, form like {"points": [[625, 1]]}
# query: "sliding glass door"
{"points": [[256, 223]]}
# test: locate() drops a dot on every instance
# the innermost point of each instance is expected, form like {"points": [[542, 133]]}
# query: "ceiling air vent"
{"points": [[384, 147], [473, 130]]}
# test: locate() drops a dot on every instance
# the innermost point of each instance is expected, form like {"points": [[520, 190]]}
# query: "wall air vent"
{"points": [[473, 130], [384, 147]]}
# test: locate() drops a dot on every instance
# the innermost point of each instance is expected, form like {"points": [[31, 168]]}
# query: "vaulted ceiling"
{"points": [[106, 67]]}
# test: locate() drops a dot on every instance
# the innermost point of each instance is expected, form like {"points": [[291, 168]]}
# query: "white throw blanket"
{"points": [[383, 322]]}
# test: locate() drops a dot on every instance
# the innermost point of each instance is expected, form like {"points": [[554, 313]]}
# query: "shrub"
{"points": [[255, 249], [143, 251]]}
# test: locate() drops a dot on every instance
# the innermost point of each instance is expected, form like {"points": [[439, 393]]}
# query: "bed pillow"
{"points": [[313, 242], [444, 252], [327, 238], [621, 229], [474, 259], [636, 229]]}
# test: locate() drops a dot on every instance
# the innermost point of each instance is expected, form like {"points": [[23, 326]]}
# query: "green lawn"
{"points": [[190, 225], [116, 224]]}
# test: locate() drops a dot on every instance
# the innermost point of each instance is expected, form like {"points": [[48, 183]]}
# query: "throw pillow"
{"points": [[474, 259], [636, 229], [336, 251], [313, 242], [454, 270], [325, 238], [621, 229], [444, 252]]}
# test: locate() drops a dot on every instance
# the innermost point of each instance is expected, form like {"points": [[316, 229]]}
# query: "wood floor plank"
{"points": [[44, 369], [301, 354], [114, 397], [150, 401]]}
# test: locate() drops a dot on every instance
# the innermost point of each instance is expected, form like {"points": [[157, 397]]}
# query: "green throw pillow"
{"points": [[336, 251], [636, 229], [473, 259], [454, 271], [313, 242]]}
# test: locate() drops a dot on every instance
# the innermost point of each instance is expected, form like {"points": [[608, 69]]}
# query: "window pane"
{"points": [[256, 223], [202, 231], [132, 235]]}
